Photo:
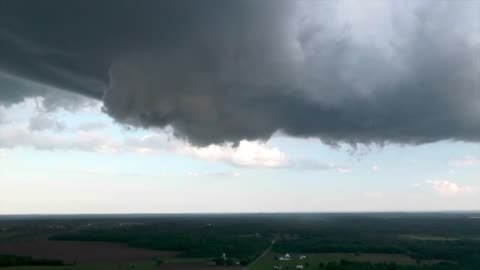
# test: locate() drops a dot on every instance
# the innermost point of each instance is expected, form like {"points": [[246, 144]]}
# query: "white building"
{"points": [[286, 257], [300, 266]]}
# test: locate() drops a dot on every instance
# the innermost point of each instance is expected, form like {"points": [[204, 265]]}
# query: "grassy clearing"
{"points": [[313, 260], [435, 238], [428, 237]]}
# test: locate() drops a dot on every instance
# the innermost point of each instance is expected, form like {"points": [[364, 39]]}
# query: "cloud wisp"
{"points": [[222, 174], [469, 161], [228, 71], [44, 122], [446, 188]]}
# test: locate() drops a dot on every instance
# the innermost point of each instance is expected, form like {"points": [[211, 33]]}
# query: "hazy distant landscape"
{"points": [[244, 241]]}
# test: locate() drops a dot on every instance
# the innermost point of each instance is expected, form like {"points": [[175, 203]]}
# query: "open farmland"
{"points": [[196, 266], [137, 265], [81, 252], [401, 241], [315, 259]]}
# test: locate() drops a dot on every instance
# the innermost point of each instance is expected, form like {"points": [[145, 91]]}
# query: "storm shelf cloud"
{"points": [[225, 71]]}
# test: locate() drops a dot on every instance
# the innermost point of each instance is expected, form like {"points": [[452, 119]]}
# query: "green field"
{"points": [[314, 259], [429, 237]]}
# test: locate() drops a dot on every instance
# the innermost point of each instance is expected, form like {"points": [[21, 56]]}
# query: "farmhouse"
{"points": [[286, 257], [300, 266]]}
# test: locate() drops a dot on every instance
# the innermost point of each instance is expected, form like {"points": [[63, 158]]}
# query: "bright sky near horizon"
{"points": [[82, 162]]}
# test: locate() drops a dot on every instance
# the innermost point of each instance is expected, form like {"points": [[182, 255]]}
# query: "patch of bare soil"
{"points": [[81, 252]]}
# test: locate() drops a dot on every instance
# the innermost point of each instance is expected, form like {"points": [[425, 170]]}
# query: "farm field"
{"points": [[82, 252], [429, 237], [181, 264], [192, 263], [409, 241], [137, 265], [196, 266], [315, 259]]}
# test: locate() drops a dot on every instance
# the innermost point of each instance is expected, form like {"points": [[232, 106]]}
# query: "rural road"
{"points": [[261, 256]]}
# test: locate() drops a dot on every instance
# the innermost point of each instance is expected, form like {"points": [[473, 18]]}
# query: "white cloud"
{"points": [[92, 126], [342, 170], [214, 174], [32, 127], [468, 161], [448, 188], [194, 174], [152, 143], [246, 154], [252, 154], [310, 164], [23, 137], [375, 195], [43, 122], [45, 133], [375, 168], [2, 115], [2, 154], [417, 185]]}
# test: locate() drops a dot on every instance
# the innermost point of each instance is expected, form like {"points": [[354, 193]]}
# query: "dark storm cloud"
{"points": [[14, 90], [222, 71]]}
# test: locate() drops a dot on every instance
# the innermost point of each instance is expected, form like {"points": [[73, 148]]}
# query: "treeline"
{"points": [[246, 236], [361, 234], [207, 242], [11, 260], [348, 265], [462, 251]]}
